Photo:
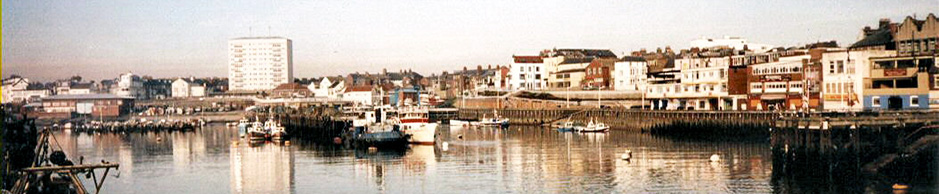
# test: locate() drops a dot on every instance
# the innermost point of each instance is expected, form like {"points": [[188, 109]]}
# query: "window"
{"points": [[935, 79], [875, 101], [831, 67], [914, 100], [840, 66]]}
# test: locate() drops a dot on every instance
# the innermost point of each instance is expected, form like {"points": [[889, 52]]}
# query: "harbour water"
{"points": [[519, 159]]}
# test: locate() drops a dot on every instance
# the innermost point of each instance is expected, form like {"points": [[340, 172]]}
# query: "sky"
{"points": [[49, 40]]}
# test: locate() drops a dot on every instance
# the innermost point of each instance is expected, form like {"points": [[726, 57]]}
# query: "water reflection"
{"points": [[261, 168], [476, 160]]}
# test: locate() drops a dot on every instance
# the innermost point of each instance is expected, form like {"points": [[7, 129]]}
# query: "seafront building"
{"points": [[527, 73], [94, 105], [629, 74], [129, 85], [17, 90], [182, 88], [906, 80], [566, 68], [259, 63]]}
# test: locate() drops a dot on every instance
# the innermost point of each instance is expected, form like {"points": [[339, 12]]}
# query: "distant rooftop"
{"points": [[85, 97]]}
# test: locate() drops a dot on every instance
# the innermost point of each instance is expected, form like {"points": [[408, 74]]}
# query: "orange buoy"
{"points": [[899, 186]]}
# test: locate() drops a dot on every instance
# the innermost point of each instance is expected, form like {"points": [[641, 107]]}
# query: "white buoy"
{"points": [[715, 158], [445, 146], [628, 155]]}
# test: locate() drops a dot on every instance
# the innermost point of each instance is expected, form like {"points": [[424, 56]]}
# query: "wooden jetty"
{"points": [[844, 144]]}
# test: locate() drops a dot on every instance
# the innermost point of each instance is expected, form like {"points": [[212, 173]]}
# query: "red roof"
{"points": [[290, 86], [527, 59]]}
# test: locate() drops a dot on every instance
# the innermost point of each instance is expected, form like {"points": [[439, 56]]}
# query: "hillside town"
{"points": [[891, 66]]}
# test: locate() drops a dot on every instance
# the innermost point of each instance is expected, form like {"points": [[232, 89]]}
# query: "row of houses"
{"points": [[892, 66]]}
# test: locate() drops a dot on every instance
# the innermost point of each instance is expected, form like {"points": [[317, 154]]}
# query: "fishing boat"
{"points": [[496, 120], [595, 127], [460, 123], [371, 129], [257, 132], [566, 127], [415, 122], [275, 130]]}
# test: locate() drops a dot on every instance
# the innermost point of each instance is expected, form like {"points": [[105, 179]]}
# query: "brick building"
{"points": [[94, 105]]}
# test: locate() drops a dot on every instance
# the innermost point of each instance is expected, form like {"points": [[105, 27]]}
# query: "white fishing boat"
{"points": [[276, 131], [496, 120], [256, 131], [594, 127], [415, 122], [460, 123]]}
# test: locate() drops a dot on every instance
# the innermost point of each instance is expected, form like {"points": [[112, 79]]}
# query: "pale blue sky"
{"points": [[47, 40]]}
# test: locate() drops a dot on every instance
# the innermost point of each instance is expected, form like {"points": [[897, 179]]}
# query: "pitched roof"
{"points": [[633, 58], [880, 37], [290, 86], [527, 59]]}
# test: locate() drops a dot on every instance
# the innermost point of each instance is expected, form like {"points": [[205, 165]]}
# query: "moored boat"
{"points": [[595, 127], [495, 121], [275, 130], [416, 124], [257, 132], [566, 127], [372, 129]]}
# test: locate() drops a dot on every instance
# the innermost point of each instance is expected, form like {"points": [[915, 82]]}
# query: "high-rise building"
{"points": [[259, 63]]}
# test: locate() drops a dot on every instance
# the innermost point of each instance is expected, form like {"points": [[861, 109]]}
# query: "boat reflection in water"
{"points": [[261, 168]]}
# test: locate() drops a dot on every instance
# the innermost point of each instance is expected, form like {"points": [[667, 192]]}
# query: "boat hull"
{"points": [[420, 133], [252, 135], [381, 139]]}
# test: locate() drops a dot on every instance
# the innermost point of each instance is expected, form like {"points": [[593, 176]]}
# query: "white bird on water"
{"points": [[628, 155], [715, 158]]}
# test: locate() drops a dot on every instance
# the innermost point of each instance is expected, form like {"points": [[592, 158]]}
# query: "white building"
{"points": [[629, 74], [362, 95], [259, 63], [329, 89], [183, 89], [527, 73], [736, 43], [16, 90], [129, 85], [844, 72]]}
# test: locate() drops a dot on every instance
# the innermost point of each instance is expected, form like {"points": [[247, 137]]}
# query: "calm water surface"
{"points": [[517, 160]]}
